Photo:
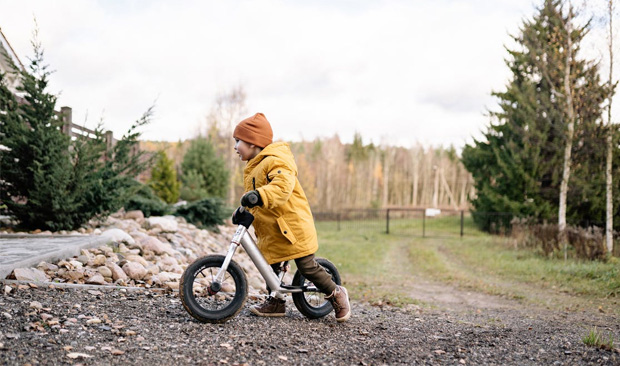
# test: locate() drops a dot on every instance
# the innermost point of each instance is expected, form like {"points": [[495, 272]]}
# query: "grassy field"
{"points": [[381, 267]]}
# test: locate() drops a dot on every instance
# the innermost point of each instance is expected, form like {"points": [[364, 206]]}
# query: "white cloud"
{"points": [[396, 71]]}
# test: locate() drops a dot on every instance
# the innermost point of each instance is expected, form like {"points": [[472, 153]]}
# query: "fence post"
{"points": [[338, 220], [462, 219], [67, 120], [387, 221], [109, 140], [423, 223]]}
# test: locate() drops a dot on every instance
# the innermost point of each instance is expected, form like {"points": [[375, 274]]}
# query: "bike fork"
{"points": [[234, 243]]}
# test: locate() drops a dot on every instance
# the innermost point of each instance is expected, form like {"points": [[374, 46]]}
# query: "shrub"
{"points": [[147, 201], [587, 243], [206, 213]]}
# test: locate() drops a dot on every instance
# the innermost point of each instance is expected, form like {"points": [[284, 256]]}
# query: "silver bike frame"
{"points": [[242, 237]]}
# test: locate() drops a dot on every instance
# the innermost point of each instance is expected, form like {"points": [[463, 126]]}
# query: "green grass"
{"points": [[595, 338], [379, 267]]}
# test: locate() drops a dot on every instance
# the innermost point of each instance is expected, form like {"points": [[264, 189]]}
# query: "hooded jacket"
{"points": [[283, 224]]}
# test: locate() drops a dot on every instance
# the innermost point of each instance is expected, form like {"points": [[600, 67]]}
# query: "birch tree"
{"points": [[609, 207]]}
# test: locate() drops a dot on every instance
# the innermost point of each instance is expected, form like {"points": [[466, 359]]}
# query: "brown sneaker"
{"points": [[340, 301], [271, 307]]}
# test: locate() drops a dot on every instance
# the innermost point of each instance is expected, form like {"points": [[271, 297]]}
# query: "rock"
{"points": [[76, 264], [154, 245], [65, 264], [74, 274], [44, 266], [134, 215], [134, 270], [106, 250], [117, 272], [122, 248], [138, 259], [152, 269], [118, 235], [96, 279], [164, 223], [105, 271], [83, 259], [164, 277], [36, 305], [99, 260], [171, 285], [169, 261], [76, 355], [30, 274]]}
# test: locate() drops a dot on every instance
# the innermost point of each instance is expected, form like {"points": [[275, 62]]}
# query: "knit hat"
{"points": [[254, 130]]}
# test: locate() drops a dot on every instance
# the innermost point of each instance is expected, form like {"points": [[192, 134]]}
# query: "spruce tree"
{"points": [[193, 187], [164, 179], [517, 166], [202, 159], [47, 180]]}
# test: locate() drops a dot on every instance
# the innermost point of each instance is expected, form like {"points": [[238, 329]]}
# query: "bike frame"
{"points": [[274, 282]]}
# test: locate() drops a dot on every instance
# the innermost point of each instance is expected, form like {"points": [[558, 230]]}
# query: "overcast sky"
{"points": [[398, 72]]}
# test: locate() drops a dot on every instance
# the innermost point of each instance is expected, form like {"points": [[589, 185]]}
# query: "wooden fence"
{"points": [[74, 131]]}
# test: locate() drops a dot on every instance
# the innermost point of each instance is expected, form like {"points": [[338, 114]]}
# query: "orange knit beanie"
{"points": [[254, 130]]}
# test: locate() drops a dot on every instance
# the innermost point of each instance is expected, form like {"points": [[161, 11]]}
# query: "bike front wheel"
{"points": [[313, 304], [207, 301]]}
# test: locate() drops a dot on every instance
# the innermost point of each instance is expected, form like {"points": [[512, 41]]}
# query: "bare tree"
{"points": [[570, 130], [609, 208], [228, 110]]}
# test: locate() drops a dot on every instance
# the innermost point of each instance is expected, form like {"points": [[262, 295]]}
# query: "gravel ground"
{"points": [[84, 326]]}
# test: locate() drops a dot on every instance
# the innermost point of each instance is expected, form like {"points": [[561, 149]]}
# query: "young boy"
{"points": [[282, 218]]}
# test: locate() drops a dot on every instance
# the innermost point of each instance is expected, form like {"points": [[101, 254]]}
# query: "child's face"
{"points": [[246, 151]]}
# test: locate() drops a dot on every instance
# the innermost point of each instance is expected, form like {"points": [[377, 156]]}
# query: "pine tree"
{"points": [[193, 187], [517, 166], [48, 180], [202, 159], [164, 179]]}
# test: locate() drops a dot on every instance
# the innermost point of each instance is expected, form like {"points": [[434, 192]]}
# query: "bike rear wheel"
{"points": [[313, 304], [206, 302]]}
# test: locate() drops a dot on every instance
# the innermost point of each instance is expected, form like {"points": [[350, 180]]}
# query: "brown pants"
{"points": [[313, 272]]}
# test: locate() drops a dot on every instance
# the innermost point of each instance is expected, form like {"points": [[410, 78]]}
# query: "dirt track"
{"points": [[114, 327]]}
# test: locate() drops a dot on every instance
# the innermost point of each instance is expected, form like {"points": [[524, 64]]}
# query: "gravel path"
{"points": [[91, 327]]}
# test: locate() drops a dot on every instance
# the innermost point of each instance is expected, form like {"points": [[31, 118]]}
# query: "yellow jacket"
{"points": [[284, 225]]}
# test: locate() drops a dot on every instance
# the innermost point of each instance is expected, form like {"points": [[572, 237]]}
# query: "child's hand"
{"points": [[242, 217], [251, 199]]}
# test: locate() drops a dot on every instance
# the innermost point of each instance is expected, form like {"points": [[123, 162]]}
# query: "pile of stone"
{"points": [[148, 252]]}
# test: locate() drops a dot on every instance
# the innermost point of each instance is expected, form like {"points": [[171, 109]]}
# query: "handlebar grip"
{"points": [[253, 199]]}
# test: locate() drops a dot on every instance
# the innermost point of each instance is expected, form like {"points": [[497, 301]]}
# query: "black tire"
{"points": [[224, 304], [313, 304]]}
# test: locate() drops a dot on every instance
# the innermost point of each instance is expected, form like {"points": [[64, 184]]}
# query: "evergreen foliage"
{"points": [[145, 200], [202, 159], [48, 180], [206, 213], [193, 187], [164, 179], [517, 166]]}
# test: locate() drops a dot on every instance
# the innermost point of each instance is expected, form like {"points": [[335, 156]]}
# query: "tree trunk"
{"points": [[609, 207], [570, 113], [436, 187]]}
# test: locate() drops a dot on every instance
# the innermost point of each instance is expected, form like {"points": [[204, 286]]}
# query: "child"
{"points": [[282, 218]]}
